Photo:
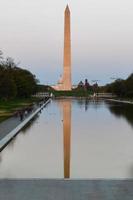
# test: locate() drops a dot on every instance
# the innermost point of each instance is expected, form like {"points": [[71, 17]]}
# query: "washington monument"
{"points": [[64, 84]]}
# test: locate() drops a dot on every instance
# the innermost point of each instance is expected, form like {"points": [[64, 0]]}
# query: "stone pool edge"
{"points": [[120, 101], [4, 141]]}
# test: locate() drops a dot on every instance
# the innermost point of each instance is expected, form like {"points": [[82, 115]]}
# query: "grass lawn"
{"points": [[73, 93], [7, 108]]}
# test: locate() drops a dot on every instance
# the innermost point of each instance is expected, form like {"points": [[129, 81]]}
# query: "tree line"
{"points": [[15, 82], [120, 87]]}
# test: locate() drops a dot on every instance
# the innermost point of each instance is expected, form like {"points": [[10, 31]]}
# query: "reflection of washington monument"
{"points": [[67, 136], [66, 108]]}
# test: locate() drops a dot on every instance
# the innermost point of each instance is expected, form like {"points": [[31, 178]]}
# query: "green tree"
{"points": [[15, 81], [25, 82], [129, 86], [7, 86]]}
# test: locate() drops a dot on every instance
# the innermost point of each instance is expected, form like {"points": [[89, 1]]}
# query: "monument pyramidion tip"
{"points": [[67, 9]]}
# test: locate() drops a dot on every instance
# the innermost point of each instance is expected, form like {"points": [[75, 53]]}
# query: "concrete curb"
{"points": [[14, 132], [120, 101]]}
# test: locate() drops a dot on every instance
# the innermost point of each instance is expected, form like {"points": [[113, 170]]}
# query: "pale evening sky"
{"points": [[102, 37]]}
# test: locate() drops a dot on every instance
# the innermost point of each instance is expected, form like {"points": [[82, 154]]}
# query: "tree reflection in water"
{"points": [[122, 110]]}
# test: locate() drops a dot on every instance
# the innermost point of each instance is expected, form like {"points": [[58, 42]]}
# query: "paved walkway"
{"points": [[66, 190]]}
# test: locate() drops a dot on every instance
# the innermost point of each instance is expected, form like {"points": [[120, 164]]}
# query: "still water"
{"points": [[73, 138]]}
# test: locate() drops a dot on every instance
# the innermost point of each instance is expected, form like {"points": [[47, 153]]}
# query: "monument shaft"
{"points": [[65, 84], [67, 52]]}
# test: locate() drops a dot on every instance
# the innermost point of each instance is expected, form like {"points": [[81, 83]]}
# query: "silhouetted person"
{"points": [[21, 114]]}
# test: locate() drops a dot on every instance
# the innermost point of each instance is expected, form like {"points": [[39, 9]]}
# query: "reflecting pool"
{"points": [[73, 138]]}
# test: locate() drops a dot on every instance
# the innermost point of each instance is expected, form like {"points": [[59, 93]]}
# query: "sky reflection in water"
{"points": [[73, 139]]}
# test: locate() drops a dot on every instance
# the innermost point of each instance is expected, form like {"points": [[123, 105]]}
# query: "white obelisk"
{"points": [[67, 85]]}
